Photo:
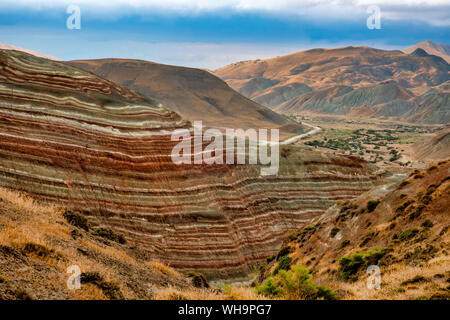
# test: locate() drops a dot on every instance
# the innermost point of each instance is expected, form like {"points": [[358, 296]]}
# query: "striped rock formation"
{"points": [[75, 139]]}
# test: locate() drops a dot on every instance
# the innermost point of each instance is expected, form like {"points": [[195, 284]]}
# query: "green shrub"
{"points": [[111, 235], [427, 224], [372, 204], [38, 250], [369, 236], [293, 235], [269, 289], [76, 219], [406, 235], [401, 208], [351, 264], [282, 264], [297, 284], [284, 251], [326, 293], [417, 211]]}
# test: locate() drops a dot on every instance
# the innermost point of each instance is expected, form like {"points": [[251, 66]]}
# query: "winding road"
{"points": [[295, 138]]}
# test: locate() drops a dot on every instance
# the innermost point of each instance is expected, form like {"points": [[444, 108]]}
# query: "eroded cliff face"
{"points": [[75, 139]]}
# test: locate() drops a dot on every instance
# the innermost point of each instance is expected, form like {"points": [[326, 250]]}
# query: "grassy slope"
{"points": [[415, 236], [37, 245]]}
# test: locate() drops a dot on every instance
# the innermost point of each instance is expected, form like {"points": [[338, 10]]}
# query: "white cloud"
{"points": [[436, 12]]}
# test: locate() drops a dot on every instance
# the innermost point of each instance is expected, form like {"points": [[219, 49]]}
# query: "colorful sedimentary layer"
{"points": [[75, 139]]}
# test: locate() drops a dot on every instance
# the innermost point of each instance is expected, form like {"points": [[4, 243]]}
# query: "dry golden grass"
{"points": [[171, 293], [392, 278], [24, 221], [227, 293], [241, 293], [163, 268], [28, 221]]}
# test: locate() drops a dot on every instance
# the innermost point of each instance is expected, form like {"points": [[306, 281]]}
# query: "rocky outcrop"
{"points": [[80, 141]]}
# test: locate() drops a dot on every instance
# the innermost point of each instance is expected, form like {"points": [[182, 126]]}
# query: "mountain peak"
{"points": [[431, 48], [419, 52]]}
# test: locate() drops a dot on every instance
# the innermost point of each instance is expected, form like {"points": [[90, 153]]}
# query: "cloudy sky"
{"points": [[213, 33]]}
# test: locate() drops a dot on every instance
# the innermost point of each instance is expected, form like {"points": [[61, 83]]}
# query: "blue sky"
{"points": [[210, 34]]}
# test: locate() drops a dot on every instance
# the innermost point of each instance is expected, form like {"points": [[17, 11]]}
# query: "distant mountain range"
{"points": [[431, 47], [195, 94], [358, 81], [354, 81]]}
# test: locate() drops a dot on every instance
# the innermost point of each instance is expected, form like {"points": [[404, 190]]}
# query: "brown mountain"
{"points": [[193, 93], [434, 148], [431, 47], [5, 46], [335, 81], [79, 141]]}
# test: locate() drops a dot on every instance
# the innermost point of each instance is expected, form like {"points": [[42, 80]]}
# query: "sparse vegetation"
{"points": [[372, 204], [38, 250], [285, 250], [283, 264], [404, 183], [76, 219], [351, 264], [110, 235], [198, 280], [334, 232], [406, 234], [414, 280], [21, 294], [269, 288], [427, 224], [295, 284], [110, 289]]}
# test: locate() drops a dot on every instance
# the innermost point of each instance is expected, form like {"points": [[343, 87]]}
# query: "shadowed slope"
{"points": [[431, 47], [193, 93]]}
